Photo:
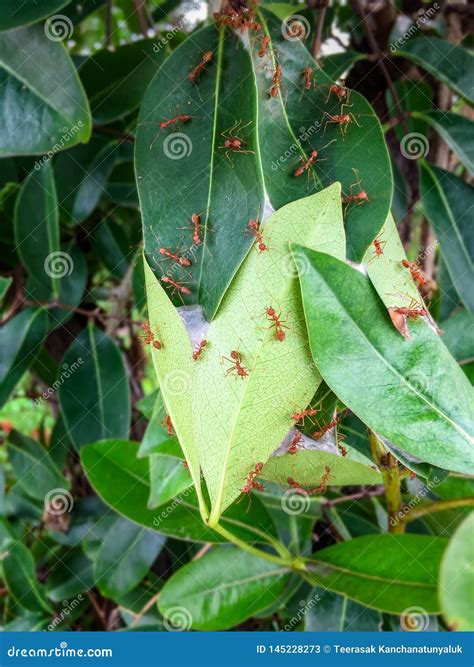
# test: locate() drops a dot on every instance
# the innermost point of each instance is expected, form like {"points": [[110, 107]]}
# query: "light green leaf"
{"points": [[456, 580]]}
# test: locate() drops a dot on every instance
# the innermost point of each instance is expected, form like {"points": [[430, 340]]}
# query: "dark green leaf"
{"points": [[20, 578], [328, 612], [448, 204], [43, 106], [15, 14], [126, 554], [335, 65], [456, 130], [220, 590], [457, 336], [387, 572], [95, 399], [414, 395], [70, 576], [183, 169]]}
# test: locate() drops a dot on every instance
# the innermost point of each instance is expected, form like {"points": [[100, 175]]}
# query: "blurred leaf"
{"points": [[293, 124], [412, 96], [113, 466], [69, 576], [457, 336], [338, 64], [4, 287], [183, 169], [456, 581], [457, 131], [20, 578], [78, 10], [112, 248], [19, 340], [415, 395], [116, 81], [239, 585], [448, 203], [400, 194], [43, 106], [16, 14], [127, 553], [231, 446], [447, 62], [386, 572], [34, 469], [95, 399], [327, 612]]}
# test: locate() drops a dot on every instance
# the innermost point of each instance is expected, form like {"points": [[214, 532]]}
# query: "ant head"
{"points": [[162, 251], [208, 56], [406, 263], [314, 154], [203, 343], [270, 311], [234, 355], [262, 247], [280, 334], [327, 469], [157, 345], [195, 218], [258, 466], [246, 488]]}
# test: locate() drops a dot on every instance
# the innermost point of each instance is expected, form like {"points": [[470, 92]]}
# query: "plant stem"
{"points": [[388, 465], [438, 506]]}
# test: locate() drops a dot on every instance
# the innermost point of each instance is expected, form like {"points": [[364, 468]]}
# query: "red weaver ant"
{"points": [[275, 89], [339, 89], [342, 119], [180, 118], [199, 350], [250, 481], [307, 75], [149, 337], [341, 448], [321, 488], [206, 58], [295, 443], [414, 310], [300, 416], [236, 361], [306, 163], [359, 198], [263, 46], [254, 228], [279, 326], [327, 427], [233, 143], [175, 286], [294, 485], [196, 228], [170, 255], [168, 424], [415, 271], [378, 246]]}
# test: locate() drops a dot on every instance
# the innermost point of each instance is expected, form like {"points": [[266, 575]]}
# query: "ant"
{"points": [[279, 326], [168, 424], [175, 286], [236, 361], [342, 119], [275, 89], [149, 337], [300, 416], [340, 90], [250, 481], [233, 143], [294, 485], [379, 245], [263, 46], [196, 228], [327, 427], [413, 311], [339, 438], [306, 163], [180, 118], [206, 58], [359, 198], [254, 228], [183, 261], [415, 271], [295, 443], [307, 75], [321, 488], [199, 350]]}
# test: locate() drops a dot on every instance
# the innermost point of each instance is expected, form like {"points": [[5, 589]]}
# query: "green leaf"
{"points": [[115, 81], [19, 573], [34, 469], [126, 554], [457, 336], [40, 87], [168, 476], [37, 227], [16, 14], [70, 576], [293, 124], [95, 399], [112, 248], [412, 96], [387, 572], [414, 395], [449, 63], [307, 467], [4, 287], [327, 612], [229, 447], [122, 481], [220, 590], [448, 201], [183, 169], [20, 338], [456, 130], [456, 579], [335, 65]]}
